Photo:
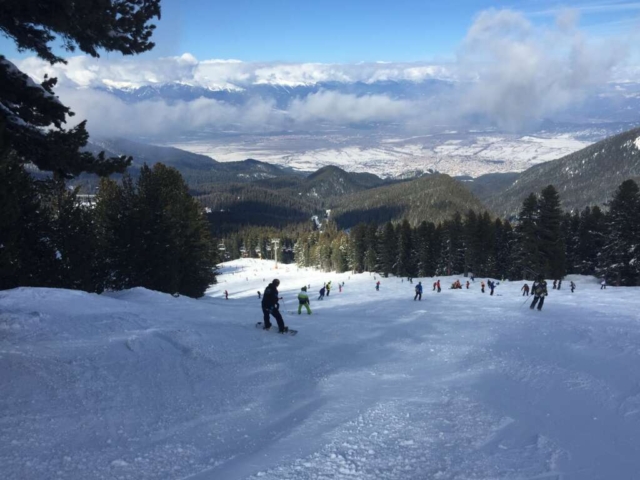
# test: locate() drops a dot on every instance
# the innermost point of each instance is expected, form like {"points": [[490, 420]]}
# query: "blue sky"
{"points": [[348, 31]]}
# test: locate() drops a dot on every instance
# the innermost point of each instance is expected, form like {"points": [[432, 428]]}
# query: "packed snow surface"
{"points": [[462, 385]]}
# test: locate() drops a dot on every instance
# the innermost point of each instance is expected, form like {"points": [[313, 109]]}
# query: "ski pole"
{"points": [[525, 301]]}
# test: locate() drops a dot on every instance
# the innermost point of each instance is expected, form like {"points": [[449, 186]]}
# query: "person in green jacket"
{"points": [[303, 300]]}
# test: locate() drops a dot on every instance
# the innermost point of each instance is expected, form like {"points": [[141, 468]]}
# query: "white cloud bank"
{"points": [[507, 71]]}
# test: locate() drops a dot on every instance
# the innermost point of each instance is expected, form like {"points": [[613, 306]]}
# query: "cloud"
{"points": [[108, 115], [507, 72], [342, 108], [526, 73]]}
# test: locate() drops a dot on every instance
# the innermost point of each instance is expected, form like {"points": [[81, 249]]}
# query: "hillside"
{"points": [[138, 385], [200, 172], [587, 177], [433, 198]]}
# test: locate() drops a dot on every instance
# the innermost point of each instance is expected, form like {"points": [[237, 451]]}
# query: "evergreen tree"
{"points": [[388, 249], [404, 263], [31, 117], [621, 259], [592, 235], [550, 236], [371, 255], [527, 258], [75, 240], [27, 254], [157, 235]]}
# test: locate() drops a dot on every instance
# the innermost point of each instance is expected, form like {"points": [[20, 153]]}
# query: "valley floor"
{"points": [[462, 385]]}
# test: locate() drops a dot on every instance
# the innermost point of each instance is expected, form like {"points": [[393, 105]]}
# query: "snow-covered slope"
{"points": [[141, 385]]}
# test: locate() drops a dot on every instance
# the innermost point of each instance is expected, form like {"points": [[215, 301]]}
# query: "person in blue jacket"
{"points": [[418, 292]]}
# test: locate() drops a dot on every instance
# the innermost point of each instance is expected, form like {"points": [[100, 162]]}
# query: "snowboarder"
{"points": [[555, 284], [259, 295], [271, 306], [303, 301], [418, 292], [573, 286], [339, 288], [378, 286], [559, 284], [539, 293], [226, 295], [328, 288], [435, 284], [603, 284], [321, 297], [482, 286], [525, 290]]}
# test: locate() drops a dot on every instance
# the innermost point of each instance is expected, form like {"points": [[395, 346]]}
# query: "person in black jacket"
{"points": [[539, 292], [271, 306]]}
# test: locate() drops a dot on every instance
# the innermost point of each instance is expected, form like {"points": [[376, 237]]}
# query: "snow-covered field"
{"points": [[453, 153], [141, 385]]}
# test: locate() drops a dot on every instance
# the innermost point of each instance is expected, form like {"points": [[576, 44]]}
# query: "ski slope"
{"points": [[142, 385]]}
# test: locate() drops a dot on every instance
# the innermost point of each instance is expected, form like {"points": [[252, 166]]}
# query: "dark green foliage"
{"points": [[550, 236], [432, 198], [31, 117], [527, 259], [621, 256], [27, 254], [79, 260], [388, 248], [405, 265], [592, 237], [155, 235]]}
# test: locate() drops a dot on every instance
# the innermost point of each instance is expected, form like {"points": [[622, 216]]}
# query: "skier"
{"points": [[271, 306], [482, 286], [321, 297], [303, 300], [467, 284], [559, 284], [259, 295], [378, 286], [438, 284], [525, 290], [539, 293], [555, 284], [435, 284], [328, 288], [339, 288], [603, 284], [573, 286], [492, 285], [418, 292], [226, 295]]}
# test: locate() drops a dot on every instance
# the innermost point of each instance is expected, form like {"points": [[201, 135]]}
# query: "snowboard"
{"points": [[274, 328]]}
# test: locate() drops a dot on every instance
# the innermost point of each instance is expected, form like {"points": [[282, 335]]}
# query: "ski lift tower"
{"points": [[276, 244]]}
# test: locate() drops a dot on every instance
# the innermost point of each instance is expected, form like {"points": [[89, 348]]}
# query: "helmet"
{"points": [[304, 289]]}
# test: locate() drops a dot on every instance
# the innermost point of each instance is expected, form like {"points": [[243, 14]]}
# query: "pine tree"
{"points": [[550, 235], [27, 255], [621, 259], [592, 235], [388, 249], [526, 256], [404, 263], [75, 240], [31, 117]]}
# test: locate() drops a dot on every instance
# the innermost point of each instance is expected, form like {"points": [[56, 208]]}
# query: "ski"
{"points": [[274, 328]]}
